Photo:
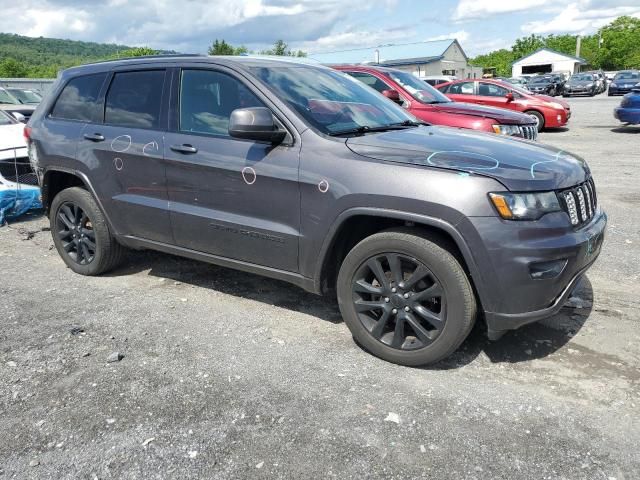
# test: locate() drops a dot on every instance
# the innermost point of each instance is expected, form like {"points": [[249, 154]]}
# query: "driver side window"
{"points": [[465, 88], [207, 99], [491, 90]]}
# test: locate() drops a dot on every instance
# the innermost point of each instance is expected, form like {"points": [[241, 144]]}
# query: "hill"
{"points": [[43, 57]]}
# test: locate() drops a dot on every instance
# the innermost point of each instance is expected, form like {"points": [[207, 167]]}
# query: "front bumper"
{"points": [[627, 115], [510, 251], [620, 90]]}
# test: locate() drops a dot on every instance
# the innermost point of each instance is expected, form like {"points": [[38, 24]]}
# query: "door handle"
{"points": [[94, 137], [186, 148]]}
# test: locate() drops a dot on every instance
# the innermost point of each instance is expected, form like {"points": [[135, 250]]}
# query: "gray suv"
{"points": [[302, 173]]}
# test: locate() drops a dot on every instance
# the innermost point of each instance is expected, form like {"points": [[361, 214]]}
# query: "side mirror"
{"points": [[20, 117], [510, 97], [256, 123], [392, 94]]}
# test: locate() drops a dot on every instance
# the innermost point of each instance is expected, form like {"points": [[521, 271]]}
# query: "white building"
{"points": [[546, 60], [440, 57]]}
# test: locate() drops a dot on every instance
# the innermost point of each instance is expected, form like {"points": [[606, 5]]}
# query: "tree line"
{"points": [[280, 48], [615, 46], [44, 57]]}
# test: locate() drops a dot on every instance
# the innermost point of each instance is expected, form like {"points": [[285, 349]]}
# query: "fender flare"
{"points": [[87, 183], [459, 240]]}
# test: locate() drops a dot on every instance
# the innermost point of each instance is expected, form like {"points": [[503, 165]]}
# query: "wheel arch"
{"points": [[356, 224], [54, 180]]}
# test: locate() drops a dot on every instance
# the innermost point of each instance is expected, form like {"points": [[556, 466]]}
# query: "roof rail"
{"points": [[162, 55]]}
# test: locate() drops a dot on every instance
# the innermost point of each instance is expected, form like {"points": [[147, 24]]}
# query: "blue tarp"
{"points": [[16, 199]]}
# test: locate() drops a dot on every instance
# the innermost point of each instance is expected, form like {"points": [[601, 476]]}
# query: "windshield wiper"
{"points": [[381, 128]]}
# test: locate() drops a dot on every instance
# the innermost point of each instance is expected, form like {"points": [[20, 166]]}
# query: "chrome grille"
{"points": [[579, 202], [530, 132]]}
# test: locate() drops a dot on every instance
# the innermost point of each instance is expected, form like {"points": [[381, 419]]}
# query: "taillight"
{"points": [[27, 133]]}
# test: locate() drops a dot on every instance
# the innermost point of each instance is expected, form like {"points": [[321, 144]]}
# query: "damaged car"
{"points": [[301, 173]]}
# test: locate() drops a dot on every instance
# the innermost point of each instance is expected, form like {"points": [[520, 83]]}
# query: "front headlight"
{"points": [[506, 129], [555, 105], [524, 206]]}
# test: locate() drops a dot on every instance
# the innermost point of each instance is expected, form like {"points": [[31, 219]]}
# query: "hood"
{"points": [[501, 115], [580, 83], [518, 164]]}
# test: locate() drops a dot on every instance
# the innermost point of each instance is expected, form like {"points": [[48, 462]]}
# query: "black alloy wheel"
{"points": [[75, 232], [399, 301]]}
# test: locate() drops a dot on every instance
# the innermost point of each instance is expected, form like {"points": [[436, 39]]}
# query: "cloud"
{"points": [[183, 25], [477, 9], [582, 17], [461, 35]]}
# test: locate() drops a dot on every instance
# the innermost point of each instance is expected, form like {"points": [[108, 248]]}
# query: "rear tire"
{"points": [[405, 298], [81, 233], [538, 117]]}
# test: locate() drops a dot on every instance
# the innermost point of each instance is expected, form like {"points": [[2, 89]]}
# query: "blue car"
{"points": [[629, 109], [624, 82]]}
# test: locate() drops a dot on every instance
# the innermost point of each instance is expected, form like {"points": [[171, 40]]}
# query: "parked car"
{"points": [[547, 111], [434, 80], [20, 112], [12, 142], [429, 105], [629, 110], [19, 96], [624, 82], [610, 75], [601, 80], [26, 97], [551, 85], [582, 84], [299, 172]]}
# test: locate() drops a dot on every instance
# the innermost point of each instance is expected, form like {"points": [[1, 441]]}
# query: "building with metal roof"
{"points": [[438, 57], [546, 60]]}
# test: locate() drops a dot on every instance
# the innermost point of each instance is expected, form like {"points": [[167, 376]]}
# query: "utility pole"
{"points": [[578, 44]]}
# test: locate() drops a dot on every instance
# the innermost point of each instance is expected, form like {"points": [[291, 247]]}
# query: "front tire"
{"points": [[81, 233], [405, 298], [539, 118]]}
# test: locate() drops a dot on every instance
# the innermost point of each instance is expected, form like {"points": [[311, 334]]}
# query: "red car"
{"points": [[431, 106], [548, 111]]}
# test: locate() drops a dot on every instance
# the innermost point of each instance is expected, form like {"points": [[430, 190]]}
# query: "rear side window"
{"points": [[370, 80], [78, 98], [134, 99]]}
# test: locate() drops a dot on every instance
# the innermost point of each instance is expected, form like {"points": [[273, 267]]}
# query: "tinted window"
{"points": [[370, 80], [78, 98], [418, 89], [465, 88], [331, 101], [207, 99], [491, 90], [134, 99]]}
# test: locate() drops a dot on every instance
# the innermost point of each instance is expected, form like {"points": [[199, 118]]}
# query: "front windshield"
{"points": [[627, 76], [582, 78], [421, 91], [329, 100], [25, 96]]}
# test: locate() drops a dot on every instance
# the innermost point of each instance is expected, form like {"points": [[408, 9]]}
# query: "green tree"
{"points": [[526, 45], [12, 68], [136, 52], [220, 47], [620, 43], [500, 60], [280, 48]]}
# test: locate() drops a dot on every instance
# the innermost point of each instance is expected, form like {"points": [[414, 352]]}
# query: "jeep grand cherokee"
{"points": [[302, 173]]}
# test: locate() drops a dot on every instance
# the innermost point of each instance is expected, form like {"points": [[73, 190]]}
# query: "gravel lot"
{"points": [[229, 375]]}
